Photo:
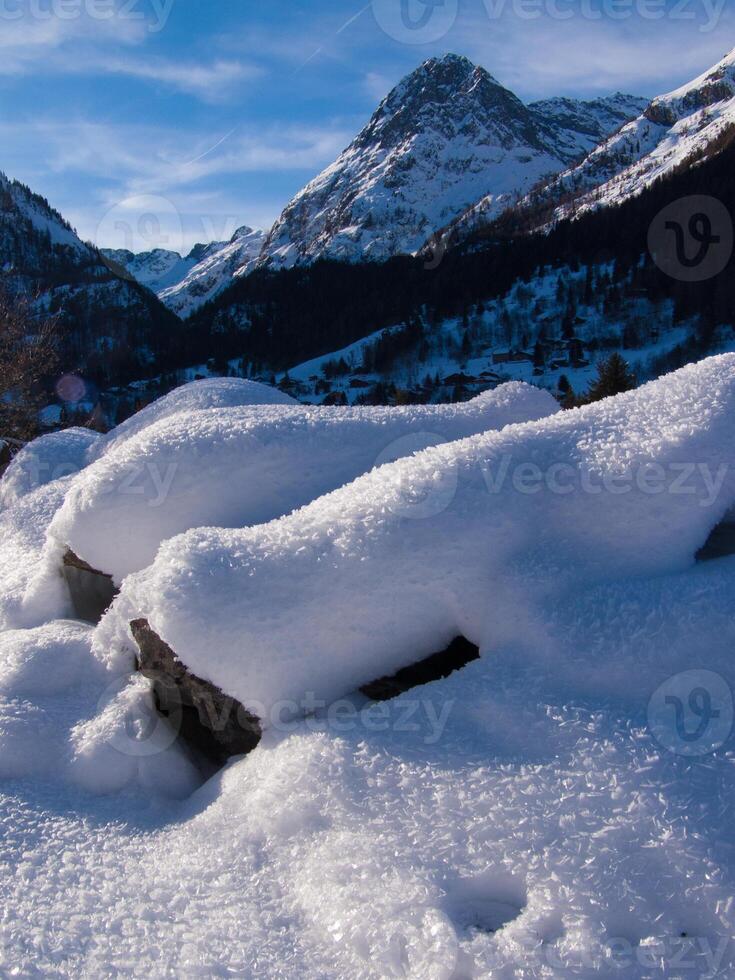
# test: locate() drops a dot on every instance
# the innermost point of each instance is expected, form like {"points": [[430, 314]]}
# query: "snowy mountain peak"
{"points": [[438, 93], [446, 136]]}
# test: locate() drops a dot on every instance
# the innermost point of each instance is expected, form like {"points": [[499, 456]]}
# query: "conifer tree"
{"points": [[613, 378]]}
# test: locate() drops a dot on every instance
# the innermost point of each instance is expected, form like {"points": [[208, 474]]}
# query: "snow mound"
{"points": [[31, 593], [63, 716], [462, 539], [48, 458], [237, 466], [195, 396], [60, 454]]}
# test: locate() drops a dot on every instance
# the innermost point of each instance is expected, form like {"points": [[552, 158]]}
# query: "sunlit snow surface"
{"points": [[538, 814]]}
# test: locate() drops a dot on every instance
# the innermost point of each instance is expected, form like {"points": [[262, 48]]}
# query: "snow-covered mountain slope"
{"points": [[214, 268], [446, 136], [519, 336], [42, 258], [582, 124], [20, 205], [184, 283], [680, 127]]}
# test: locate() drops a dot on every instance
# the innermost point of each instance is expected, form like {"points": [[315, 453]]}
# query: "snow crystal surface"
{"points": [[231, 467], [460, 539], [198, 395], [525, 794], [542, 813]]}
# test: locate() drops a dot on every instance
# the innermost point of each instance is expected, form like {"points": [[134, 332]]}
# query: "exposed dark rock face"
{"points": [[215, 724], [661, 114], [92, 591], [458, 654]]}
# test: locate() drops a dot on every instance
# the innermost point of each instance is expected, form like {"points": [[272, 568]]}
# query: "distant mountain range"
{"points": [[183, 283], [449, 152], [674, 130], [448, 135]]}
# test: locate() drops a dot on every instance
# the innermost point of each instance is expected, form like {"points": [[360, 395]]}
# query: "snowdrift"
{"points": [[235, 466], [466, 538], [59, 454], [45, 460], [197, 396], [30, 592], [536, 814]]}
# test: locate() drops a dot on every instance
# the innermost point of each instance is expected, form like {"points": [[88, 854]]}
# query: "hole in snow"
{"points": [[485, 903], [457, 655], [721, 541], [92, 592]]}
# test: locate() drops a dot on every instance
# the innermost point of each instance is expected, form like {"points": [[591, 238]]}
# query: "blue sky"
{"points": [[165, 122]]}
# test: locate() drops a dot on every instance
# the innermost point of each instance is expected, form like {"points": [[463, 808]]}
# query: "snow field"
{"points": [[546, 806], [538, 814]]}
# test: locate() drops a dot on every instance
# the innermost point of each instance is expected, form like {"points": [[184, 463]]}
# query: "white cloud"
{"points": [[211, 83], [125, 161]]}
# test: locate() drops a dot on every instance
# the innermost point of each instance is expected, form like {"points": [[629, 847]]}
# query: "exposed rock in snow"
{"points": [[91, 591], [234, 466], [630, 486], [207, 719], [448, 135]]}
